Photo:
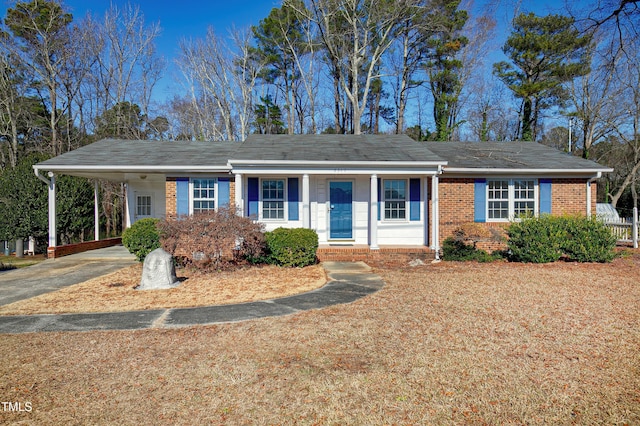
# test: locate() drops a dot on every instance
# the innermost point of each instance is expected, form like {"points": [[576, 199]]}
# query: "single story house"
{"points": [[368, 191]]}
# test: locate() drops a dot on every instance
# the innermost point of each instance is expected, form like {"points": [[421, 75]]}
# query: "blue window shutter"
{"points": [[545, 195], [182, 196], [414, 199], [223, 192], [480, 200], [253, 196], [379, 198], [293, 198]]}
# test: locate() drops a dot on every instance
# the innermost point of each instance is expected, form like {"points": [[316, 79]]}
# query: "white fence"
{"points": [[625, 230]]}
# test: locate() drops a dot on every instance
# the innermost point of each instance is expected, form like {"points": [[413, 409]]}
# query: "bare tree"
{"points": [[594, 98], [9, 110], [127, 66], [479, 33], [41, 39], [355, 34], [224, 77], [628, 132]]}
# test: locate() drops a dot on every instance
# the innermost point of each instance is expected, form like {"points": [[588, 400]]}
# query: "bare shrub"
{"points": [[213, 240]]}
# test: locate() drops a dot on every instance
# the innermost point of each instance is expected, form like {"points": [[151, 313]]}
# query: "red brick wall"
{"points": [[59, 251], [385, 256], [170, 198], [456, 204], [568, 196]]}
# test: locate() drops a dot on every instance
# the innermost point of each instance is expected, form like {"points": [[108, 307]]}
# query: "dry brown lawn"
{"points": [[451, 343], [116, 292]]}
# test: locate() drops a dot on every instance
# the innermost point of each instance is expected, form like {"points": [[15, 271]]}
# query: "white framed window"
{"points": [[498, 199], [144, 205], [395, 199], [524, 197], [203, 194], [510, 199], [272, 199]]}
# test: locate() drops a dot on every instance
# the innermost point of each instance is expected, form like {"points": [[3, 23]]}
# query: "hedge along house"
{"points": [[361, 194]]}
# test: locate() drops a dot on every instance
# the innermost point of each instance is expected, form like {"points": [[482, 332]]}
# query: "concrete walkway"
{"points": [[347, 282]]}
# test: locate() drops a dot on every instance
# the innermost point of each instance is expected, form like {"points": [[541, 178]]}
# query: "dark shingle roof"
{"points": [[127, 153], [508, 155], [334, 148], [168, 156]]}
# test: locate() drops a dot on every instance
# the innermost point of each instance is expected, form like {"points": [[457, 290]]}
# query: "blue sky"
{"points": [[191, 18]]}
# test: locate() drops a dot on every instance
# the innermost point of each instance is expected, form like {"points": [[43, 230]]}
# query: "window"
{"points": [[524, 200], [143, 206], [395, 199], [510, 198], [273, 199], [498, 199], [204, 195]]}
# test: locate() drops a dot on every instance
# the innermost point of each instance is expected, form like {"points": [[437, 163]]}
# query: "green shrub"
{"points": [[292, 246], [548, 238], [142, 237], [454, 249], [588, 240], [536, 240]]}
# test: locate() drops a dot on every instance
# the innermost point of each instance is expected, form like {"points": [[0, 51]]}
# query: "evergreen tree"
{"points": [[545, 53]]}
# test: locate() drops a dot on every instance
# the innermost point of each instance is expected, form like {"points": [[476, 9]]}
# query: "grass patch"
{"points": [[12, 262]]}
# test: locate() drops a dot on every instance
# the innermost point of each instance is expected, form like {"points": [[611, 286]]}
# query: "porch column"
{"points": [[52, 210], [373, 218], [435, 217], [306, 215], [130, 209], [427, 210], [96, 213], [239, 199]]}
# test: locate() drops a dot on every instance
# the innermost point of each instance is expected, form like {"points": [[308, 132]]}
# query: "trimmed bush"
{"points": [[548, 238], [142, 237], [536, 240], [213, 240], [588, 240], [294, 247]]}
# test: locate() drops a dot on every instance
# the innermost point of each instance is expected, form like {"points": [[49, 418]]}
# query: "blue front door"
{"points": [[340, 210]]}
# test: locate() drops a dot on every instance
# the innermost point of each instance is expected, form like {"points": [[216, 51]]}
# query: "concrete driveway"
{"points": [[53, 274]]}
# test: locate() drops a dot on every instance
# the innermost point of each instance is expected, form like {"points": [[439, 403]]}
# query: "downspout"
{"points": [[51, 184], [589, 182]]}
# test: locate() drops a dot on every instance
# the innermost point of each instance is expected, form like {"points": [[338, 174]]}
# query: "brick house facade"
{"points": [[366, 192]]}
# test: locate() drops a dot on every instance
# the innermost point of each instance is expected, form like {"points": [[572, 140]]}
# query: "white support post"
{"points": [[130, 206], [96, 212], [373, 219], [52, 210], [239, 194], [635, 227], [426, 211], [306, 215], [435, 217]]}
